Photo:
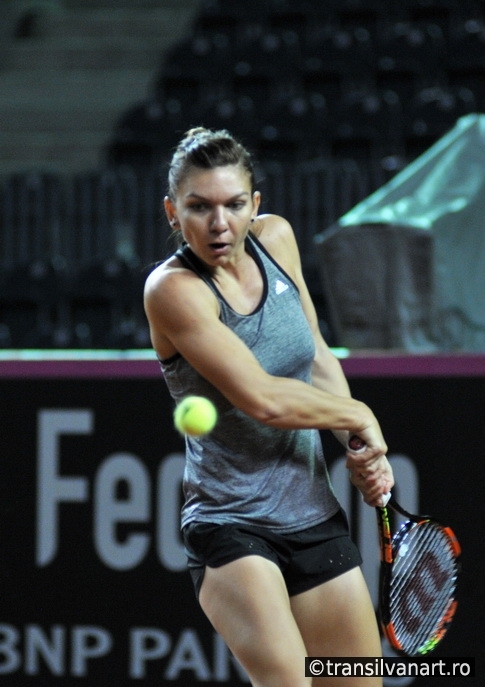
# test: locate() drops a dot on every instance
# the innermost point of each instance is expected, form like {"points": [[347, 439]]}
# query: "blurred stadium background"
{"points": [[334, 98]]}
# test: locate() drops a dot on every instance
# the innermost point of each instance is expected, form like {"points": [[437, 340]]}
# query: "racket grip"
{"points": [[385, 499], [356, 443]]}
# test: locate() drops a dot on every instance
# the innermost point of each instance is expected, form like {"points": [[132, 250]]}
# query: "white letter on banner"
{"points": [[52, 650], [10, 659], [188, 655], [146, 644], [407, 482], [169, 546], [110, 511], [88, 642], [51, 488]]}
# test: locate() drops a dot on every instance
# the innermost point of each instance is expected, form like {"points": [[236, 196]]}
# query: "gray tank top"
{"points": [[245, 471]]}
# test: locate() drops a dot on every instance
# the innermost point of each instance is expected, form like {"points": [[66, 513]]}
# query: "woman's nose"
{"points": [[219, 221]]}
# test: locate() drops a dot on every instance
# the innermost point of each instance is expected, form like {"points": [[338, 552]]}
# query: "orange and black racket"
{"points": [[418, 578]]}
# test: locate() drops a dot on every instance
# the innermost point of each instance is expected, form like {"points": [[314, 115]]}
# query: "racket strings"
{"points": [[423, 582]]}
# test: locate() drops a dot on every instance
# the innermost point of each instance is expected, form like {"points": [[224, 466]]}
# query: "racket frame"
{"points": [[388, 545]]}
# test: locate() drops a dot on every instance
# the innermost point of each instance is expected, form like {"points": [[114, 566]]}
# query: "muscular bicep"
{"points": [[183, 313], [184, 318]]}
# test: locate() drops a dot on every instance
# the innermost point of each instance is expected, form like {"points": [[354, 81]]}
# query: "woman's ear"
{"points": [[256, 202], [170, 211]]}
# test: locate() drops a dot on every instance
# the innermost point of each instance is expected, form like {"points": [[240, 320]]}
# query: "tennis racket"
{"points": [[418, 578]]}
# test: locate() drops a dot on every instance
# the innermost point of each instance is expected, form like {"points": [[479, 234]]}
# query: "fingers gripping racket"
{"points": [[418, 578]]}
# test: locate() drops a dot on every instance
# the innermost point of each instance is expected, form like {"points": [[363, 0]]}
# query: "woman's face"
{"points": [[213, 210]]}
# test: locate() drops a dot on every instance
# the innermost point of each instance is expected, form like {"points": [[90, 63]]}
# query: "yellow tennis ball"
{"points": [[195, 415]]}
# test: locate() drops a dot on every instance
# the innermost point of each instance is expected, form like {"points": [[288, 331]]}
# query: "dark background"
{"points": [[436, 421]]}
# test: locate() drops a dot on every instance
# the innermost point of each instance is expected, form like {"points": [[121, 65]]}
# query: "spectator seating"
{"points": [[332, 97]]}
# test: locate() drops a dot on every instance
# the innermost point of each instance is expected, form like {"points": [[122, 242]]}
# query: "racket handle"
{"points": [[385, 499], [356, 444]]}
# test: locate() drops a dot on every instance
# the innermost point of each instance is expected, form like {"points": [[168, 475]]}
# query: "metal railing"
{"points": [[74, 252]]}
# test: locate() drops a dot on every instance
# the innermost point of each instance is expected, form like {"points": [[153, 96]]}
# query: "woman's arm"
{"points": [[183, 312], [369, 471]]}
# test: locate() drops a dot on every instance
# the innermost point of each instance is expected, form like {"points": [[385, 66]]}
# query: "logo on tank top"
{"points": [[280, 287]]}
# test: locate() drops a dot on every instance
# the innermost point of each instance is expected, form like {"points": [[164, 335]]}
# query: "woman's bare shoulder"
{"points": [[171, 284], [277, 236], [268, 225]]}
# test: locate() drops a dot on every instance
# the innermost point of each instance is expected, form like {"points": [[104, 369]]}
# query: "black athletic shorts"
{"points": [[306, 558]]}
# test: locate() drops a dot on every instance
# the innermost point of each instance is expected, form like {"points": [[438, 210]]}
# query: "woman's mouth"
{"points": [[219, 247]]}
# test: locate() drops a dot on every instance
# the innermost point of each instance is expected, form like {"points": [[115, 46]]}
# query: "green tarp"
{"points": [[405, 268]]}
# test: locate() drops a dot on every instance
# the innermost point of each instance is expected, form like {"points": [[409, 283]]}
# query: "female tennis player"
{"points": [[231, 319]]}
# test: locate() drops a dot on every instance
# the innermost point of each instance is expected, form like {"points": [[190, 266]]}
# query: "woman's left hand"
{"points": [[372, 476]]}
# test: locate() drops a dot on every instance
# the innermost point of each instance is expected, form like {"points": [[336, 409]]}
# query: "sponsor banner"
{"points": [[92, 569]]}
